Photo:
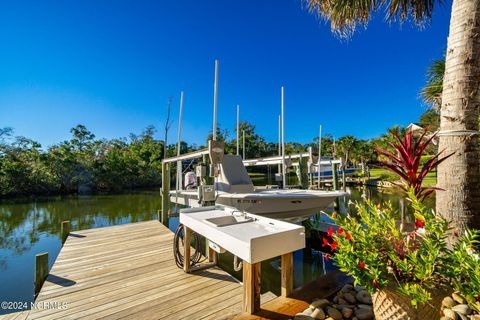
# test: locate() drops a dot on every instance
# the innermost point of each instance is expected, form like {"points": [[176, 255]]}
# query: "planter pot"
{"points": [[388, 304]]}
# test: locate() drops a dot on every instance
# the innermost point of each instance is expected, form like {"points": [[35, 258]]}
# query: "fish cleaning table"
{"points": [[250, 237]]}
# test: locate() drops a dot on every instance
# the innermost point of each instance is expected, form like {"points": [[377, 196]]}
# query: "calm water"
{"points": [[29, 228]]}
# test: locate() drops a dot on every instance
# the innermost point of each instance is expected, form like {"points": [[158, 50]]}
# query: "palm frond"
{"points": [[431, 93]]}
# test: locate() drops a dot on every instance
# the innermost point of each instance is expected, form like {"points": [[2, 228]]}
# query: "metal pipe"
{"points": [[243, 132], [215, 94], [238, 130], [179, 143], [283, 140], [319, 155]]}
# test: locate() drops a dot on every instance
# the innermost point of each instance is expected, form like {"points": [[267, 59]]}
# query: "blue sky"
{"points": [[112, 65]]}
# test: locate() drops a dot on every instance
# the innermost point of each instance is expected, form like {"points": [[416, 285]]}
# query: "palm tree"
{"points": [[459, 175], [432, 91]]}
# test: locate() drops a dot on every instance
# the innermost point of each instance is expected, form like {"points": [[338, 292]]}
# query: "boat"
{"points": [[234, 188]]}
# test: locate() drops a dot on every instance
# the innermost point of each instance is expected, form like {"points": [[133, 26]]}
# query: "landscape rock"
{"points": [[346, 288], [457, 297], [364, 313], [448, 302], [308, 311], [334, 313], [450, 314], [462, 309], [321, 303], [318, 314], [364, 297], [347, 312], [349, 297], [302, 316]]}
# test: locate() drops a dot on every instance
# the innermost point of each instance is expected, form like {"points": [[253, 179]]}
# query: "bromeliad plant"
{"points": [[373, 247], [406, 161]]}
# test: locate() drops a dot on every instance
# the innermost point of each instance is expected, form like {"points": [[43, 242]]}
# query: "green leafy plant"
{"points": [[379, 252]]}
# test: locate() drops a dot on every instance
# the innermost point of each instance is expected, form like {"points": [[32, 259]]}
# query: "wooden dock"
{"points": [[128, 272]]}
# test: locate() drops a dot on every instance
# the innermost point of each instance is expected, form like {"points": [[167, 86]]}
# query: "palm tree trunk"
{"points": [[459, 175]]}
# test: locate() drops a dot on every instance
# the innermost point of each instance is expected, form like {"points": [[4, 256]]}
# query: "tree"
{"points": [[432, 91], [345, 146], [459, 175], [430, 120]]}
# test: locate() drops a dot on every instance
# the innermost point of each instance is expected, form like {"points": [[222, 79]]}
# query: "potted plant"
{"points": [[408, 271]]}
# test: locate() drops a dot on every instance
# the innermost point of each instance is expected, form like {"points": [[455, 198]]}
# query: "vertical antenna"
{"points": [[283, 140], [243, 131], [215, 94], [238, 130], [319, 155], [279, 141]]}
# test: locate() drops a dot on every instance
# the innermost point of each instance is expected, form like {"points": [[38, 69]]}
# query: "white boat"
{"points": [[235, 188]]}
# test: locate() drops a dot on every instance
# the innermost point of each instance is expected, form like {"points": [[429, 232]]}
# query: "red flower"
{"points": [[340, 231], [325, 242], [333, 245], [349, 237], [478, 298], [361, 265], [419, 223], [326, 257], [375, 284], [330, 232]]}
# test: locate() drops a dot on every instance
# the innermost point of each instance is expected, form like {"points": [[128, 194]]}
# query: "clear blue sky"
{"points": [[112, 66]]}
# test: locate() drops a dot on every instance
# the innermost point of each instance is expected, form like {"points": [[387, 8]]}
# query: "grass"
{"points": [[385, 175]]}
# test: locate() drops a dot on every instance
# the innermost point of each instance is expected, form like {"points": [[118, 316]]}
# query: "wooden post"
{"points": [[251, 287], [65, 230], [344, 180], [186, 254], [212, 255], [41, 270], [287, 274], [165, 193]]}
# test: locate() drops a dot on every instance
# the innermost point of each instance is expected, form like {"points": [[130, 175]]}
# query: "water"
{"points": [[31, 227]]}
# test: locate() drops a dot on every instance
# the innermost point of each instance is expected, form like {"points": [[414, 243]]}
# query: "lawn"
{"points": [[383, 174]]}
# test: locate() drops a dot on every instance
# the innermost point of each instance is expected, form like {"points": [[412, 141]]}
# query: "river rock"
{"points": [[458, 298], [450, 314], [444, 318], [302, 316], [364, 297], [358, 288], [448, 302], [321, 303], [475, 317], [342, 301], [318, 314], [364, 313], [462, 309], [346, 288], [347, 312], [349, 297], [334, 313]]}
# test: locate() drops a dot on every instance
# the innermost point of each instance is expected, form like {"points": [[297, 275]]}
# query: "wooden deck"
{"points": [[128, 272]]}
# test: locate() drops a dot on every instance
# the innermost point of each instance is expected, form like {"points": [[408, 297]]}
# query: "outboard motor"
{"points": [[190, 180]]}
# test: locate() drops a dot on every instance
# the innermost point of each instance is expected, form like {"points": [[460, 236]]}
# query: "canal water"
{"points": [[31, 227]]}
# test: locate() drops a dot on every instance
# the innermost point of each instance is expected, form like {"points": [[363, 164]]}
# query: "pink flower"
{"points": [[375, 284], [361, 265]]}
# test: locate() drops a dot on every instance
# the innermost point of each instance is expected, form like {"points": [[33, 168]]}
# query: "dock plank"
{"points": [[128, 271]]}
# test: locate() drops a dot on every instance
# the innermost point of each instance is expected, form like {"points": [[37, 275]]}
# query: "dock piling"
{"points": [[335, 175], [41, 270], [65, 230], [165, 193]]}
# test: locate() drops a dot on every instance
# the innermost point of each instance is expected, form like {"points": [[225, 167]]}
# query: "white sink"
{"points": [[250, 237], [228, 220]]}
